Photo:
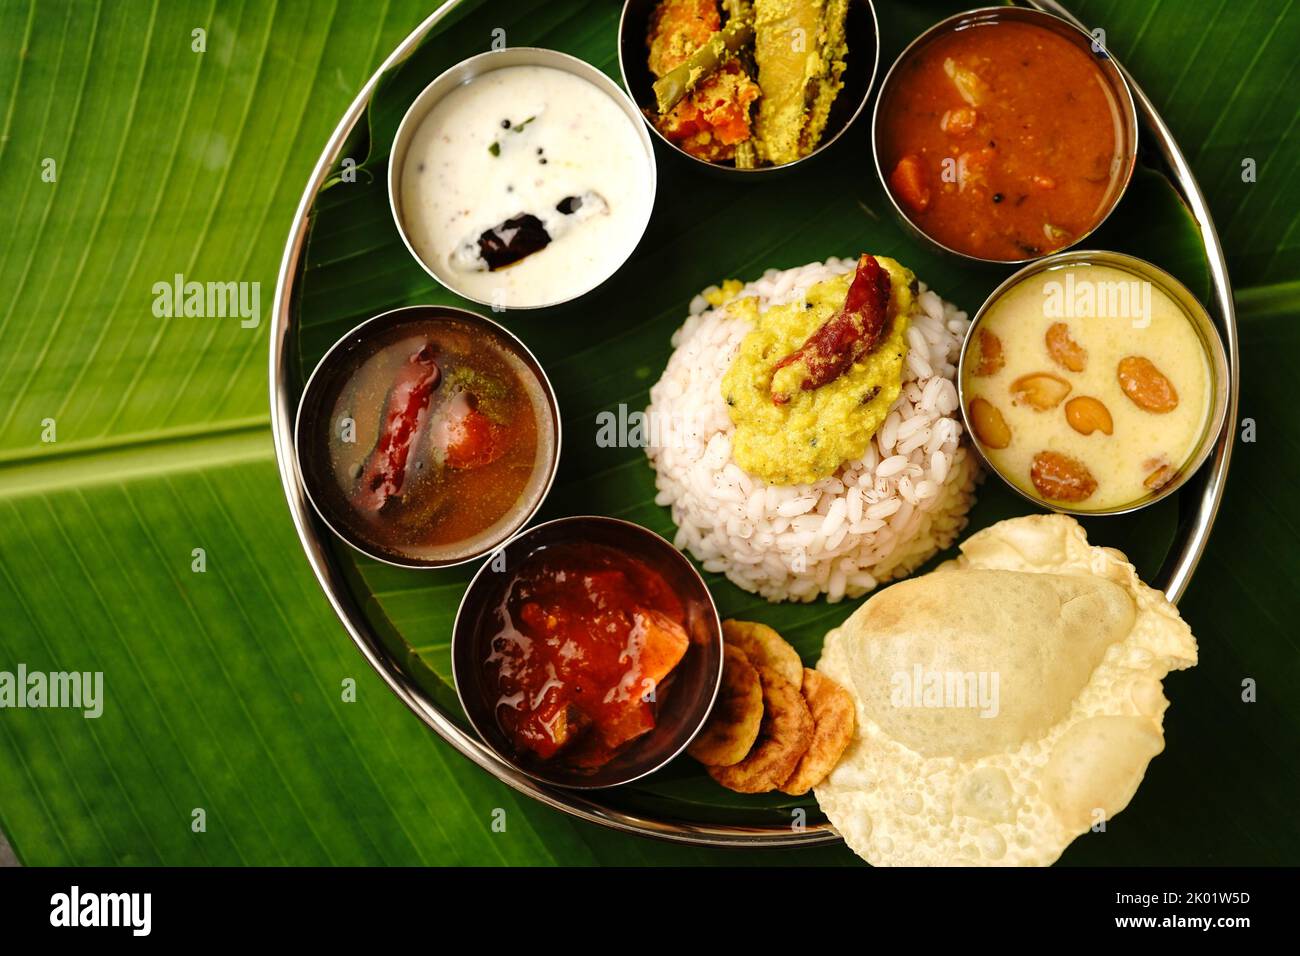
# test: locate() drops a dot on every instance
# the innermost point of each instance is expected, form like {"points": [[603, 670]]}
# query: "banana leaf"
{"points": [[225, 687]]}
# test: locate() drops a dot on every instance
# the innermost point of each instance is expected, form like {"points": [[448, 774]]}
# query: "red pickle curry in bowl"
{"points": [[588, 640], [1005, 140], [587, 652], [429, 440]]}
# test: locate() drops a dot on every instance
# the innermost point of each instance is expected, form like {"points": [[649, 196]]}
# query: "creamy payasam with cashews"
{"points": [[1087, 388]]}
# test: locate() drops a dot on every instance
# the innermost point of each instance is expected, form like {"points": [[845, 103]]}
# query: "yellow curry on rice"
{"points": [[789, 428]]}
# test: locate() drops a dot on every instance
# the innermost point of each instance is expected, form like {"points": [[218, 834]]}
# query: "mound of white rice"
{"points": [[877, 518]]}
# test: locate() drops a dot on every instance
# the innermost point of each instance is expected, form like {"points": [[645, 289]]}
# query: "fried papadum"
{"points": [[765, 648], [784, 737], [1005, 703], [832, 708], [737, 714]]}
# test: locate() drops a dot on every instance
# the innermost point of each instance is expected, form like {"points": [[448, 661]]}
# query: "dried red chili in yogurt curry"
{"points": [[1003, 140]]}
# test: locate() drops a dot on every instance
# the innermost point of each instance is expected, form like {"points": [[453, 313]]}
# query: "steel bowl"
{"points": [[686, 701], [972, 19], [1220, 374], [861, 63], [464, 72], [311, 427]]}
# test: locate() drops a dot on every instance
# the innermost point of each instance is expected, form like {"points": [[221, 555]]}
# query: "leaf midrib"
{"points": [[108, 460]]}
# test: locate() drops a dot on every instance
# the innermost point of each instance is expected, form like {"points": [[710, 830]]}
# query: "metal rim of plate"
{"points": [[1196, 517]]}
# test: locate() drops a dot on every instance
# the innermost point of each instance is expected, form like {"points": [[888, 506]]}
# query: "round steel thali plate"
{"points": [[1198, 501]]}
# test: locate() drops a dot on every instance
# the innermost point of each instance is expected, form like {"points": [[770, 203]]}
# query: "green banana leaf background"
{"points": [[223, 687]]}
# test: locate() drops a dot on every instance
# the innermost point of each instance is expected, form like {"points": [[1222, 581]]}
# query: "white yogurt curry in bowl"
{"points": [[522, 178]]}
